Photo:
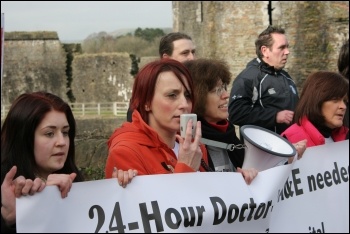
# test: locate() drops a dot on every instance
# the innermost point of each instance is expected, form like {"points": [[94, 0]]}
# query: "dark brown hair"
{"points": [[18, 132], [205, 74], [318, 88]]}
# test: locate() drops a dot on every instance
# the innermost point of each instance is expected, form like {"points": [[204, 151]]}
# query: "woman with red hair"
{"points": [[150, 144]]}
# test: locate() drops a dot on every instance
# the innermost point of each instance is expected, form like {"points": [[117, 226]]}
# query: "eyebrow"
{"points": [[185, 51], [54, 127], [284, 46]]}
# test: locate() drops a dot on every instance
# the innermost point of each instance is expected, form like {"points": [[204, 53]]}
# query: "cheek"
{"points": [[324, 109], [328, 112], [40, 150], [210, 111], [165, 108], [160, 109], [168, 108]]}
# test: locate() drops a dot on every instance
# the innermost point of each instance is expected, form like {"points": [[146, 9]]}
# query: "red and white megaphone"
{"points": [[265, 149]]}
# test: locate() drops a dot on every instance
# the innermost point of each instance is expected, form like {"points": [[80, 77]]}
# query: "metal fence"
{"points": [[104, 109]]}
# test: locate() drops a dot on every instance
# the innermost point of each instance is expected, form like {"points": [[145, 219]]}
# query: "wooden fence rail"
{"points": [[103, 109]]}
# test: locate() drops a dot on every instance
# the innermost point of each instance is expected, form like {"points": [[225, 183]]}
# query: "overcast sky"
{"points": [[74, 20]]}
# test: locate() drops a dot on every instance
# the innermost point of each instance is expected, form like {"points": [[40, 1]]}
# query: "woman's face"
{"points": [[170, 100], [334, 111], [51, 143], [216, 104]]}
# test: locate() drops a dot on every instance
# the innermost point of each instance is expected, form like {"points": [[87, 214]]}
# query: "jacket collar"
{"points": [[266, 67]]}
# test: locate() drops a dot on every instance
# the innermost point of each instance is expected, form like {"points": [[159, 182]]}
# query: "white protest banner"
{"points": [[300, 197], [315, 197]]}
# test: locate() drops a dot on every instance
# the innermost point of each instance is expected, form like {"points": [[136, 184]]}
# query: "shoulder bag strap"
{"points": [[222, 145]]}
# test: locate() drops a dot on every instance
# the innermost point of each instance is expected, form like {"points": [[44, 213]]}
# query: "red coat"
{"points": [[308, 131], [137, 146]]}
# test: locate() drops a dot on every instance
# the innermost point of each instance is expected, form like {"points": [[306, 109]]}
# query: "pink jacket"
{"points": [[308, 131]]}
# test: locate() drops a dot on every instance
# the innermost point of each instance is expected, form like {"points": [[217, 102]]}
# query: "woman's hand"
{"points": [[248, 174], [190, 153], [124, 177], [63, 181], [8, 198], [300, 146], [12, 188], [24, 187]]}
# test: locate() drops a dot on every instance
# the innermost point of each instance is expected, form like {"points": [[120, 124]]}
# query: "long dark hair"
{"points": [[18, 131], [318, 88]]}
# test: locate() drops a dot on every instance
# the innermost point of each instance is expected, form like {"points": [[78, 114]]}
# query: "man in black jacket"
{"points": [[264, 94]]}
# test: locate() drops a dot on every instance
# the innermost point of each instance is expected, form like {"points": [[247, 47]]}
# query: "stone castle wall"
{"points": [[145, 60], [36, 61], [102, 77], [227, 30], [33, 61]]}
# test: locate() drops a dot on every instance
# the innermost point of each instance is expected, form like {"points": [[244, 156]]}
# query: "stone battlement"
{"points": [[35, 35]]}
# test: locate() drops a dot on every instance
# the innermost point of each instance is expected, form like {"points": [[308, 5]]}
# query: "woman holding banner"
{"points": [[211, 78], [37, 149], [151, 144], [163, 90], [321, 109]]}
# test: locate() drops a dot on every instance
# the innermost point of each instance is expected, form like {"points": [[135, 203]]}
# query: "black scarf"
{"points": [[325, 131], [229, 137]]}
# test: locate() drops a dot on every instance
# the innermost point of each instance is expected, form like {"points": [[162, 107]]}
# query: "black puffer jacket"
{"points": [[258, 93]]}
